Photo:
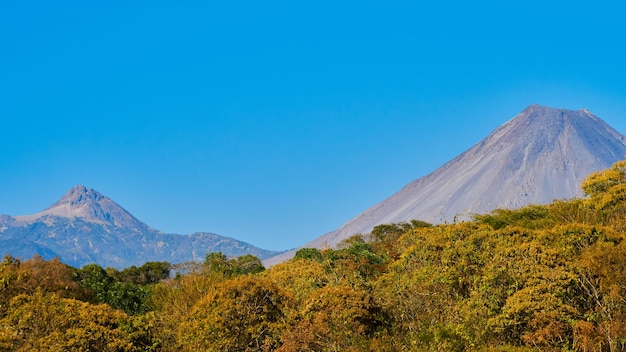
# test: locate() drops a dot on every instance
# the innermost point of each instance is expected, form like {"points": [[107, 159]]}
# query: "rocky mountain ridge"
{"points": [[85, 227]]}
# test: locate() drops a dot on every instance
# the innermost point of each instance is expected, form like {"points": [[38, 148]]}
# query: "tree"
{"points": [[599, 183], [248, 264], [385, 231], [602, 282], [299, 278], [148, 274], [309, 254], [334, 318], [241, 314], [355, 260], [385, 237], [17, 277], [46, 322], [95, 281], [529, 217], [172, 300], [607, 193], [131, 298], [128, 296], [218, 262]]}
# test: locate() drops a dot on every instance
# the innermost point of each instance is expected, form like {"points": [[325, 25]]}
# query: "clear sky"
{"points": [[274, 122]]}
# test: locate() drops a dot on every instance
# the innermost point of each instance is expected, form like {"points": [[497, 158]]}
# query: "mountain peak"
{"points": [[79, 195], [540, 155], [535, 107], [87, 204], [550, 127], [84, 227], [90, 206], [547, 110]]}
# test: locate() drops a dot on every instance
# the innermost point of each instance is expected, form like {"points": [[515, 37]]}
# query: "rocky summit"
{"points": [[540, 155]]}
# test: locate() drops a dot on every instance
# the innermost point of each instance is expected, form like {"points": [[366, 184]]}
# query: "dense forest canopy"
{"points": [[544, 277]]}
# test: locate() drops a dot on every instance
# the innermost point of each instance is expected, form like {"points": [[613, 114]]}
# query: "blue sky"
{"points": [[275, 122]]}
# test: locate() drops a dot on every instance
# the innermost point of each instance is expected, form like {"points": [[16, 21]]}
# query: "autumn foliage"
{"points": [[541, 278]]}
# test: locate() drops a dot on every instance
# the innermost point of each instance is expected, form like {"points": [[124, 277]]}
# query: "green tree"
{"points": [[131, 298], [218, 262], [248, 264], [147, 274], [309, 254], [385, 237], [95, 281]]}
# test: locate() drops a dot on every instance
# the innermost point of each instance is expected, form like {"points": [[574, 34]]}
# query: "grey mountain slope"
{"points": [[540, 155], [86, 227]]}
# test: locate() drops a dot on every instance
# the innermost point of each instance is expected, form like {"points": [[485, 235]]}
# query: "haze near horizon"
{"points": [[274, 122]]}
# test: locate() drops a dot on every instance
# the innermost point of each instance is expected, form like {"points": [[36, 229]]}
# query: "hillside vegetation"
{"points": [[549, 278]]}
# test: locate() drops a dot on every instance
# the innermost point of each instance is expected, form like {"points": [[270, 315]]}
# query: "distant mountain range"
{"points": [[86, 227], [540, 155]]}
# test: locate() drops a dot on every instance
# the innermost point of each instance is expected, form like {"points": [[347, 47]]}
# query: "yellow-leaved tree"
{"points": [[241, 314], [45, 322]]}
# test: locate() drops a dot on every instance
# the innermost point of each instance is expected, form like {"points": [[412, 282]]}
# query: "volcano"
{"points": [[540, 155]]}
